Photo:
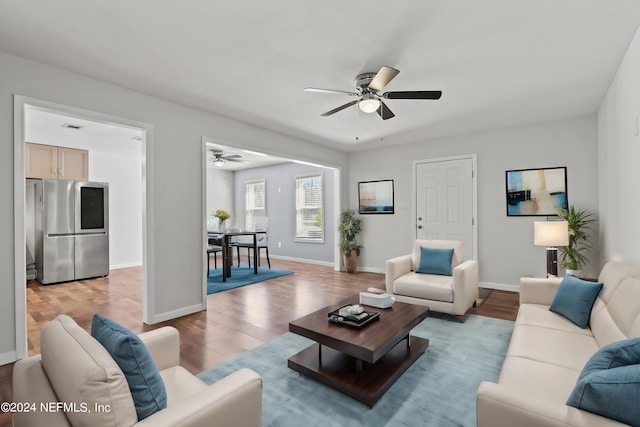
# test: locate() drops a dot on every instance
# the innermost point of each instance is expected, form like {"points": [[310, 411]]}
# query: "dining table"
{"points": [[223, 238]]}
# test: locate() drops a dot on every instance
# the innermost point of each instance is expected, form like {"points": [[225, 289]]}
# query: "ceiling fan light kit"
{"points": [[218, 158], [368, 86], [369, 103]]}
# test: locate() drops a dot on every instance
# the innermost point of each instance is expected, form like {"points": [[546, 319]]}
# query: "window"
{"points": [[254, 202], [309, 204]]}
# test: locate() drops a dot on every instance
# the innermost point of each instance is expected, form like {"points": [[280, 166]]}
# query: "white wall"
{"points": [[618, 157], [505, 244], [281, 206], [120, 164], [123, 172], [219, 194], [175, 193]]}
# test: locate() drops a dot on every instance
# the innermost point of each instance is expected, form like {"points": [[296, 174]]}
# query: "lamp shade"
{"points": [[551, 233]]}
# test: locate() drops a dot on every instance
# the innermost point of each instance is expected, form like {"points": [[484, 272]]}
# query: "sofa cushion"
{"points": [[80, 370], [540, 315], [609, 384], [133, 357], [435, 261], [538, 379], [553, 346], [425, 286], [574, 299]]}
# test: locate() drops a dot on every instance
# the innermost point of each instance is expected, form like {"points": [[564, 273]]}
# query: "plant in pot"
{"points": [[350, 227], [579, 222]]}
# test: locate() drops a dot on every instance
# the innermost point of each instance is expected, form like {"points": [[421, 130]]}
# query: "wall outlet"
{"points": [[279, 244]]}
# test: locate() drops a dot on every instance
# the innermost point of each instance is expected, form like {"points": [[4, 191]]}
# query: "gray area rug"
{"points": [[439, 389]]}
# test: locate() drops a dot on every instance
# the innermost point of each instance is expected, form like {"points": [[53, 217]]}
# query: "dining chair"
{"points": [[260, 226], [212, 249]]}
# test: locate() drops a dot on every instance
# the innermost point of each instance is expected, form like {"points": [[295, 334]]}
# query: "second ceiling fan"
{"points": [[368, 87]]}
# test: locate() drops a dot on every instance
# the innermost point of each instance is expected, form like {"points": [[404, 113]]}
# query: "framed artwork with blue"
{"points": [[536, 192], [375, 197]]}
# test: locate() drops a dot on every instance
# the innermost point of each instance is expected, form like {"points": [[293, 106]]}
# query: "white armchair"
{"points": [[453, 294], [74, 368]]}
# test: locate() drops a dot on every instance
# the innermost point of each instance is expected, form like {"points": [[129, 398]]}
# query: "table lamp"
{"points": [[551, 234]]}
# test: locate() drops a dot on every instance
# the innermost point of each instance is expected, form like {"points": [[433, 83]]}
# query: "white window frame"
{"points": [[297, 236], [250, 211]]}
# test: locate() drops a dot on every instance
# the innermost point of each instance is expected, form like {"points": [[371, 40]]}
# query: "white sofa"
{"points": [[75, 369], [547, 353], [453, 294]]}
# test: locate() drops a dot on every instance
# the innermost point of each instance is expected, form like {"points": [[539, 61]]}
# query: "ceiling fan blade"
{"points": [[320, 90], [340, 108], [384, 76], [414, 94], [384, 111], [231, 156], [233, 159]]}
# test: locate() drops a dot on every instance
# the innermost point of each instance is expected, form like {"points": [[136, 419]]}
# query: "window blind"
{"points": [[309, 206], [254, 202]]}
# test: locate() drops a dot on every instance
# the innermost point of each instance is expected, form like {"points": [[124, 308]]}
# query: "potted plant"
{"points": [[222, 216], [579, 222], [350, 227]]}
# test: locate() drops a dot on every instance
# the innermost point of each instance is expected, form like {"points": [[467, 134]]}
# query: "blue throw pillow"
{"points": [[435, 261], [609, 384], [574, 299], [133, 357]]}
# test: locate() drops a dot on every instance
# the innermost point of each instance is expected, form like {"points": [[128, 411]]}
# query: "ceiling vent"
{"points": [[137, 138], [72, 126]]}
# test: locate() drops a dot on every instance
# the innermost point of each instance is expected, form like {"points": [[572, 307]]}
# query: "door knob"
{"points": [[419, 218], [419, 226]]}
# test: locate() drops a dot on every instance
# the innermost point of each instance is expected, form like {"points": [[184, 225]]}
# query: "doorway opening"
{"points": [[228, 167], [116, 151]]}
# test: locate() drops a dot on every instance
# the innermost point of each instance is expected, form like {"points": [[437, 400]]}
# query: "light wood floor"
{"points": [[235, 321]]}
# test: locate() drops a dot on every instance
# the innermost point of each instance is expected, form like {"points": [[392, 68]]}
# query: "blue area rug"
{"points": [[439, 389], [240, 276]]}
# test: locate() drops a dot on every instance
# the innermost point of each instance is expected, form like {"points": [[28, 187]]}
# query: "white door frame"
{"points": [[474, 189], [20, 103]]}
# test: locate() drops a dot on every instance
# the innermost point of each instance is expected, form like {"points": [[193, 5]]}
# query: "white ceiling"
{"points": [[46, 127], [498, 62]]}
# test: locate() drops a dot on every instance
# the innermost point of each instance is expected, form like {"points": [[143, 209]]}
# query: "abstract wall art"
{"points": [[536, 192]]}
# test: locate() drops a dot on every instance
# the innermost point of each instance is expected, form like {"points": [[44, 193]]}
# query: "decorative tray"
{"points": [[342, 316]]}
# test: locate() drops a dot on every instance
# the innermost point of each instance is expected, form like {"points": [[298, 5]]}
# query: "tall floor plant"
{"points": [[580, 222]]}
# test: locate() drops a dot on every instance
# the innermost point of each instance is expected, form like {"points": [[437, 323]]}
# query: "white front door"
{"points": [[445, 193]]}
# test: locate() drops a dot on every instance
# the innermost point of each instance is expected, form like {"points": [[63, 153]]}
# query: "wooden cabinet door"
{"points": [[41, 161], [73, 164]]}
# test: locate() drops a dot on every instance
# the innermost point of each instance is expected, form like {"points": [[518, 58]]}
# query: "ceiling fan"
{"points": [[368, 87], [218, 158]]}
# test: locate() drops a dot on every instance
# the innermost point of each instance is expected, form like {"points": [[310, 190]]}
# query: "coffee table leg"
{"points": [[320, 354], [408, 342], [358, 365]]}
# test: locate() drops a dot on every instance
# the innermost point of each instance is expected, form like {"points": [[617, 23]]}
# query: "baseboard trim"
{"points": [[304, 260], [500, 286], [126, 265], [371, 270], [8, 357], [168, 315]]}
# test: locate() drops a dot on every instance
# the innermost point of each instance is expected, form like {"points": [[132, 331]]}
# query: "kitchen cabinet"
{"points": [[48, 161]]}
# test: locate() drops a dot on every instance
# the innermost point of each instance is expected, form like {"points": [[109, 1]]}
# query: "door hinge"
{"points": [[473, 221]]}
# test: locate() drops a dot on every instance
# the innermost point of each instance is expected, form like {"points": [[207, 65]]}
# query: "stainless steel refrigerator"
{"points": [[71, 230]]}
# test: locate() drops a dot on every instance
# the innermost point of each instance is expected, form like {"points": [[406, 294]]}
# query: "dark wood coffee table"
{"points": [[361, 363]]}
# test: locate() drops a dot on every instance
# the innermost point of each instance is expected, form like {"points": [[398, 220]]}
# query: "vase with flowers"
{"points": [[222, 216]]}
